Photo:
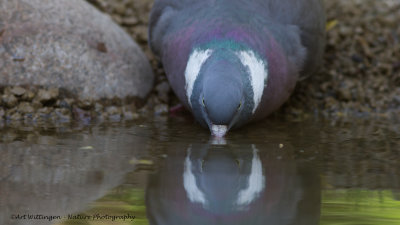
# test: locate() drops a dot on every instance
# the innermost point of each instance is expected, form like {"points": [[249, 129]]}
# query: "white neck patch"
{"points": [[195, 62], [256, 181], [193, 192], [258, 74]]}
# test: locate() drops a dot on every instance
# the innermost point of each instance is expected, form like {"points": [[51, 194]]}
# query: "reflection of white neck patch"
{"points": [[189, 183], [195, 62], [256, 182], [258, 74]]}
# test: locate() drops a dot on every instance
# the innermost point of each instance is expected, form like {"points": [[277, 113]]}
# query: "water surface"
{"points": [[170, 171]]}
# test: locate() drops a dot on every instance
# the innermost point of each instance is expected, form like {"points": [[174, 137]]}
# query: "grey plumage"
{"points": [[287, 36]]}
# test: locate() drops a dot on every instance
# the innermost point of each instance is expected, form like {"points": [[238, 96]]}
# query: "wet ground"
{"points": [[169, 171]]}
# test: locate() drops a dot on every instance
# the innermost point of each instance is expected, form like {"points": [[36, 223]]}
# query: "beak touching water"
{"points": [[219, 130]]}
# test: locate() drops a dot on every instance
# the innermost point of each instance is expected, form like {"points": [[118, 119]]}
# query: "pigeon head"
{"points": [[223, 85]]}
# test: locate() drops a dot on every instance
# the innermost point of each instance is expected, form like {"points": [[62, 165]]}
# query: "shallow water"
{"points": [[169, 171]]}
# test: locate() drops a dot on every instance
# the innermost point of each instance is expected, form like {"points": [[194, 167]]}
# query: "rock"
{"points": [[45, 110], [71, 45], [25, 107], [130, 21], [113, 113], [15, 116], [62, 115], [161, 109], [128, 112], [98, 107], [65, 103], [9, 100], [28, 96], [163, 91], [112, 110], [18, 91], [85, 104], [130, 115], [46, 96]]}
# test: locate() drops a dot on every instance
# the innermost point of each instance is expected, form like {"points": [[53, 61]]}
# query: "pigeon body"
{"points": [[234, 61]]}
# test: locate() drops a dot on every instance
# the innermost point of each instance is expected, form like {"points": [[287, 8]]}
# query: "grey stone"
{"points": [[163, 91], [25, 107], [9, 100], [161, 109], [15, 116], [71, 45], [44, 96], [18, 91], [130, 21], [130, 115], [28, 96], [62, 115], [112, 110]]}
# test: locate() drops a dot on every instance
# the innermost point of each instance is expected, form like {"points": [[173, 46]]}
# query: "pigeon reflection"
{"points": [[233, 184], [246, 191]]}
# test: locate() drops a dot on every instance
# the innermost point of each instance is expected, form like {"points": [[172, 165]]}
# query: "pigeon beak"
{"points": [[219, 130]]}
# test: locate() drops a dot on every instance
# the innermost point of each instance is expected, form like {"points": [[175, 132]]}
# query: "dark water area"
{"points": [[170, 171]]}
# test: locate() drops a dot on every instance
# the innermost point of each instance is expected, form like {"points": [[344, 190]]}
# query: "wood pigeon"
{"points": [[235, 61]]}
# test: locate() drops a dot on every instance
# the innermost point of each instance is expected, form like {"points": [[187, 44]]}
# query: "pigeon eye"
{"points": [[239, 107], [237, 162]]}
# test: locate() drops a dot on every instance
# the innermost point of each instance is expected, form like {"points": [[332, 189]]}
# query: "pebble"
{"points": [[85, 104], [62, 115], [15, 116], [113, 113], [18, 91], [130, 115], [130, 21], [161, 109], [9, 100], [45, 110], [25, 107], [113, 110], [98, 107], [65, 103], [46, 96], [163, 90], [28, 95]]}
